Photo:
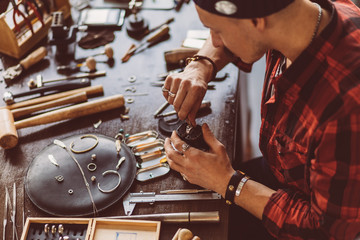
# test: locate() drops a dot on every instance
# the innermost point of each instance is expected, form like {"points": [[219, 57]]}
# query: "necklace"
{"points": [[318, 22]]}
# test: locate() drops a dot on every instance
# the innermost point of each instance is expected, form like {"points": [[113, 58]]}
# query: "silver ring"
{"points": [[183, 176], [185, 147], [172, 94], [173, 146], [91, 167], [164, 89], [129, 100], [116, 186]]}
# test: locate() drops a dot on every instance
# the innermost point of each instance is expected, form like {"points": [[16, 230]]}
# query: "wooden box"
{"points": [[92, 229], [17, 43]]}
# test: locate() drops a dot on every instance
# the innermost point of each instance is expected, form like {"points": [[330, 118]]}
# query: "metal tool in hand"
{"points": [[131, 199], [15, 71], [16, 11]]}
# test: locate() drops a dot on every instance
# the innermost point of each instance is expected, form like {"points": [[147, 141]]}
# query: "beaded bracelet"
{"points": [[201, 57], [231, 187]]}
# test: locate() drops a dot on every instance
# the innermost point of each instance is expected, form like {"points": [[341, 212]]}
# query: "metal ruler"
{"points": [[131, 199]]}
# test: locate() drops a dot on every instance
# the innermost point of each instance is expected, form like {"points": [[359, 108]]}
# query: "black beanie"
{"points": [[243, 8]]}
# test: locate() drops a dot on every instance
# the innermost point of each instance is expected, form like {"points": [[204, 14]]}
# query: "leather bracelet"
{"points": [[231, 187], [241, 185], [201, 57]]}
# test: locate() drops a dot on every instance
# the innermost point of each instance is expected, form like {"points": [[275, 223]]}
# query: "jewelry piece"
{"points": [[85, 150], [70, 191], [188, 129], [132, 78], [318, 22], [96, 125], [119, 138], [46, 229], [62, 145], [241, 185], [164, 89], [172, 94], [61, 229], [185, 147], [173, 146], [93, 157], [183, 176], [53, 229], [116, 186], [129, 100], [59, 178], [93, 178], [91, 167], [53, 160], [121, 160]]}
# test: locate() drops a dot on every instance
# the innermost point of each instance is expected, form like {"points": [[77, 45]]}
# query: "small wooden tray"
{"points": [[92, 229], [124, 230]]}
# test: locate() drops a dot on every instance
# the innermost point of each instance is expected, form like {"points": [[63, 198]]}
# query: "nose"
{"points": [[216, 40]]}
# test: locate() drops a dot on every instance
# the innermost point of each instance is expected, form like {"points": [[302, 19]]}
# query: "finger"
{"points": [[191, 106], [173, 158], [192, 115], [180, 97], [209, 136], [173, 90], [166, 86], [172, 150]]}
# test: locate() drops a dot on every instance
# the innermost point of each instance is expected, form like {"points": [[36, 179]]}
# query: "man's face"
{"points": [[238, 35]]}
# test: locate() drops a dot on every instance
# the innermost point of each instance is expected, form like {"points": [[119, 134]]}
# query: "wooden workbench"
{"points": [[145, 66]]}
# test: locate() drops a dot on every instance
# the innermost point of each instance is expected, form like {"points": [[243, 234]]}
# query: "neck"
{"points": [[296, 29]]}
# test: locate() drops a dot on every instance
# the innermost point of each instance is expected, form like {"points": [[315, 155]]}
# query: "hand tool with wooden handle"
{"points": [[9, 97], [15, 71], [71, 99], [155, 37], [175, 56], [8, 134], [90, 91]]}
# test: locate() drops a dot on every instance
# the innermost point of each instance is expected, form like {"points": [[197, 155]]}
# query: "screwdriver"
{"points": [[154, 38]]}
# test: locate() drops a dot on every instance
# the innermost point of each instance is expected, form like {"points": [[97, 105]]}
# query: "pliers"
{"points": [[33, 5], [19, 13]]}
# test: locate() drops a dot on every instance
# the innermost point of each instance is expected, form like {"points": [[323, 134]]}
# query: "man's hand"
{"points": [[187, 89], [211, 170]]}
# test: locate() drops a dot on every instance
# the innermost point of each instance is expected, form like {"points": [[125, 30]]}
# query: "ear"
{"points": [[259, 23]]}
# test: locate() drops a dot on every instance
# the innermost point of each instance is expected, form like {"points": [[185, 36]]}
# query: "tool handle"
{"points": [[76, 98], [90, 91], [33, 57], [176, 55], [79, 110], [158, 34]]}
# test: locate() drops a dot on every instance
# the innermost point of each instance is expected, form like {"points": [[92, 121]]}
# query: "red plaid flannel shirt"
{"points": [[310, 133]]}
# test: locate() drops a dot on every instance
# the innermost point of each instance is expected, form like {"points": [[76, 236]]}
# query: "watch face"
{"points": [[225, 7]]}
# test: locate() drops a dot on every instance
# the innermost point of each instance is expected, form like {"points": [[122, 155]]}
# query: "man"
{"points": [[310, 112]]}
